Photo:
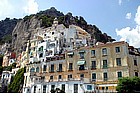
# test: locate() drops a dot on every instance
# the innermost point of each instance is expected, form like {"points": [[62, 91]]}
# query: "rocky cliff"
{"points": [[23, 32], [24, 29]]}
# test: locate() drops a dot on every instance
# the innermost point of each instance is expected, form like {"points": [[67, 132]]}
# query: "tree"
{"points": [[1, 69], [17, 83], [1, 60], [128, 85]]}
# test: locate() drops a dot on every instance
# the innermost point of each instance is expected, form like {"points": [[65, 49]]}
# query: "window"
{"points": [[52, 87], [135, 62], [136, 74], [41, 55], [32, 70], [117, 49], [59, 77], [81, 76], [70, 66], [69, 76], [118, 61], [34, 89], [51, 77], [104, 63], [52, 33], [44, 68], [75, 88], [92, 52], [37, 69], [104, 51], [93, 64], [94, 77], [119, 74], [63, 87], [44, 88], [28, 90], [89, 87], [60, 68], [82, 55], [105, 76], [82, 67], [52, 68], [103, 88], [41, 48]]}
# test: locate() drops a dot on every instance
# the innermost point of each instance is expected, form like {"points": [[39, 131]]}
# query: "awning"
{"points": [[80, 63], [70, 53], [31, 53], [82, 51]]}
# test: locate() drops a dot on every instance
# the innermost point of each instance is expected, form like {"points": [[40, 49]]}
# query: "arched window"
{"points": [[37, 69], [32, 70]]}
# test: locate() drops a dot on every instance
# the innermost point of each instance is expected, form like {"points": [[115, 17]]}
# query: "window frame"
{"points": [[104, 51], [117, 49], [118, 62]]}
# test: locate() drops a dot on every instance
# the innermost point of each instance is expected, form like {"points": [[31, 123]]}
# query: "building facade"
{"points": [[97, 68]]}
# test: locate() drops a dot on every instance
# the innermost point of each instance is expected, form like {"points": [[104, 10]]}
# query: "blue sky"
{"points": [[118, 18]]}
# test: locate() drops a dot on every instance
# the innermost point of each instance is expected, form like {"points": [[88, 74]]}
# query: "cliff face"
{"points": [[22, 30], [22, 33], [6, 28]]}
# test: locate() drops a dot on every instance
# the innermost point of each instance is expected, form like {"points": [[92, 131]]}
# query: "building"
{"points": [[9, 58], [7, 76], [58, 57], [97, 68]]}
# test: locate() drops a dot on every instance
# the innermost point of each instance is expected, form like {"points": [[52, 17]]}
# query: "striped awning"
{"points": [[70, 53], [80, 63]]}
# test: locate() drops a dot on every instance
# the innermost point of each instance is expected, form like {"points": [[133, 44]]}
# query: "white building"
{"points": [[72, 86], [7, 76]]}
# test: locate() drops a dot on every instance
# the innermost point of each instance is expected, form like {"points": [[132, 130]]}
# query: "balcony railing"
{"points": [[105, 79], [93, 67], [81, 69], [70, 79], [60, 79], [51, 71], [85, 68], [93, 80], [105, 66], [70, 69], [59, 70]]}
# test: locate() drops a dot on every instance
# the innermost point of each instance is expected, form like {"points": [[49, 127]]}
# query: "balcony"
{"points": [[105, 79], [60, 79], [93, 67], [80, 69], [54, 58], [70, 69], [83, 68], [70, 79], [105, 66], [59, 70], [51, 80], [93, 80], [51, 71]]}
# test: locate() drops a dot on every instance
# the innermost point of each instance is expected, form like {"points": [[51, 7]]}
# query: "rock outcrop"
{"points": [[22, 30]]}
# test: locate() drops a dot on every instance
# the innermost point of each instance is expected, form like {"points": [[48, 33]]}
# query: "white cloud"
{"points": [[6, 9], [137, 17], [132, 36], [31, 7], [120, 2], [128, 16]]}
